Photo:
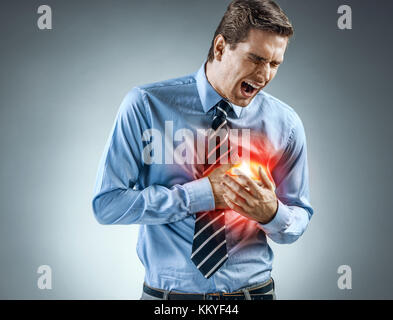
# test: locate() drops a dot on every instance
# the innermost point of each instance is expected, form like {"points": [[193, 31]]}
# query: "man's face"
{"points": [[247, 69]]}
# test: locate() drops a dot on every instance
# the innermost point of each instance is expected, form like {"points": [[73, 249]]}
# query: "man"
{"points": [[203, 236]]}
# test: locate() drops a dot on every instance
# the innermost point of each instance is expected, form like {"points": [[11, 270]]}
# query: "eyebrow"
{"points": [[261, 59]]}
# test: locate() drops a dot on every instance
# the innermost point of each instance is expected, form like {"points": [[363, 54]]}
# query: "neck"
{"points": [[211, 76]]}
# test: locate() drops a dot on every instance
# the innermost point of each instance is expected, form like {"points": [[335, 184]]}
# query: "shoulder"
{"points": [[141, 99], [166, 87], [166, 92], [284, 117], [278, 109]]}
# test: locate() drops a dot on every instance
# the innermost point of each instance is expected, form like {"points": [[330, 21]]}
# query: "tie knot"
{"points": [[222, 109]]}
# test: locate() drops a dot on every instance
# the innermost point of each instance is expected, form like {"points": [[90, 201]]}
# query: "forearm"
{"points": [[153, 205], [115, 201]]}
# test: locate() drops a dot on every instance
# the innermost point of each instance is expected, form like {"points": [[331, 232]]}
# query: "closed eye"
{"points": [[253, 60]]}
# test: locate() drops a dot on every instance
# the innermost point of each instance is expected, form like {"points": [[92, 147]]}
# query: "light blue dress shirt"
{"points": [[163, 198]]}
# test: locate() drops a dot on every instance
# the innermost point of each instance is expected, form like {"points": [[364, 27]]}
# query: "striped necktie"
{"points": [[209, 251]]}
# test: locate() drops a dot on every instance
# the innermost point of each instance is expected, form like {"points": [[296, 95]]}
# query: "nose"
{"points": [[263, 72]]}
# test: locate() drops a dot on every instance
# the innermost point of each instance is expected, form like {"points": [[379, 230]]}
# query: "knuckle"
{"points": [[254, 203], [240, 200], [237, 188]]}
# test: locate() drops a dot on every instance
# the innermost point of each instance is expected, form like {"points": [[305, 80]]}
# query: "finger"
{"points": [[246, 181], [236, 208], [265, 179], [259, 183], [236, 198], [269, 175], [231, 204], [236, 184], [242, 191]]}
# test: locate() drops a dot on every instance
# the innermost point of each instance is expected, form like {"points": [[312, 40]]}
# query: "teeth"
{"points": [[250, 84]]}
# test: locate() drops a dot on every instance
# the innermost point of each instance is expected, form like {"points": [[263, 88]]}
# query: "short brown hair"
{"points": [[242, 15]]}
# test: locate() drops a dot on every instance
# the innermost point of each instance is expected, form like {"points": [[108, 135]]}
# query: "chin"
{"points": [[242, 102]]}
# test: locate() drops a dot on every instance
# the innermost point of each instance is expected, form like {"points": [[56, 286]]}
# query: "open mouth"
{"points": [[248, 89]]}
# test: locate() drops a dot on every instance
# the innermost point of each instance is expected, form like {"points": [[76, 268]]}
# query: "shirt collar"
{"points": [[208, 95]]}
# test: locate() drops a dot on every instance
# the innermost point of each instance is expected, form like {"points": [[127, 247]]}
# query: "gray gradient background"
{"points": [[61, 89]]}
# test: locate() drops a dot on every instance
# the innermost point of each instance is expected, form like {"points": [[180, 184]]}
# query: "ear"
{"points": [[219, 47]]}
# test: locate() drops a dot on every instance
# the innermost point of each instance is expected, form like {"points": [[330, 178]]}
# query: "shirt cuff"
{"points": [[201, 195], [280, 222]]}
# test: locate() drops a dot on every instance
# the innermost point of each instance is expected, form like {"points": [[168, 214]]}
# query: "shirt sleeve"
{"points": [[292, 190], [115, 199]]}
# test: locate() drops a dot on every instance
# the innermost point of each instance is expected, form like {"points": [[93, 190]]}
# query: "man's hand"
{"points": [[215, 178], [253, 200]]}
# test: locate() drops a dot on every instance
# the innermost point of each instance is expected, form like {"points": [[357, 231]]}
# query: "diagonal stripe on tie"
{"points": [[209, 251]]}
